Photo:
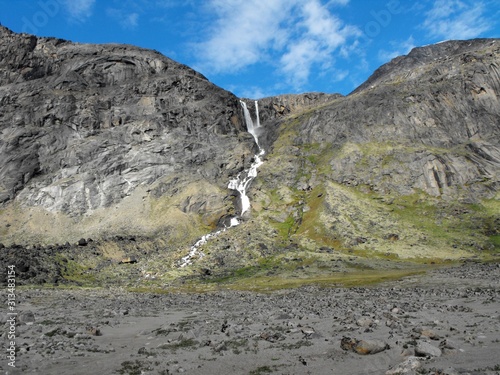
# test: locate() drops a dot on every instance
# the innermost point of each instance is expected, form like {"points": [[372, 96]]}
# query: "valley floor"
{"points": [[446, 321]]}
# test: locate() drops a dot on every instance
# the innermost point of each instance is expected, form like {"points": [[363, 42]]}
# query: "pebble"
{"points": [[363, 347]]}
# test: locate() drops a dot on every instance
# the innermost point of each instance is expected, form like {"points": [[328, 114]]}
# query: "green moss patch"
{"points": [[74, 271]]}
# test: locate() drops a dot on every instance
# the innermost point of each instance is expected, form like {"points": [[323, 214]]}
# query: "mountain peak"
{"points": [[427, 56]]}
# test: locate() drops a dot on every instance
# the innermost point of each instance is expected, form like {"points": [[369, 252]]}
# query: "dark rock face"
{"points": [[68, 110]]}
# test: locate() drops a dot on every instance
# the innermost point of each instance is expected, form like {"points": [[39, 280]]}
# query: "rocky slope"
{"points": [[134, 150]]}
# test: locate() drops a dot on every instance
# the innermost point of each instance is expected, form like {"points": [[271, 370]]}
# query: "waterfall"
{"points": [[252, 129], [257, 115], [240, 184]]}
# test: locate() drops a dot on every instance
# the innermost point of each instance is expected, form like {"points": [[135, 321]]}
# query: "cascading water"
{"points": [[240, 184]]}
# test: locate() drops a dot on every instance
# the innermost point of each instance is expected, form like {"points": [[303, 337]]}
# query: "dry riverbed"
{"points": [[446, 321]]}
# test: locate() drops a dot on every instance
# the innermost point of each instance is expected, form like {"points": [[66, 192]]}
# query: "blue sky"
{"points": [[258, 48]]}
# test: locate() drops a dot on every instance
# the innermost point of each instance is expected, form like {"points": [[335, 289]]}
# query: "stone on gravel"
{"points": [[364, 322], [94, 331], [409, 366], [26, 317], [363, 346], [308, 330], [427, 333], [424, 349], [347, 343], [370, 346]]}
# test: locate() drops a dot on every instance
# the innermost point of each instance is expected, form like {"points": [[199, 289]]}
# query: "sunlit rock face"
{"points": [[83, 126]]}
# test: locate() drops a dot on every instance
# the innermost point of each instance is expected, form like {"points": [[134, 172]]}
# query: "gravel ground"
{"points": [[444, 322]]}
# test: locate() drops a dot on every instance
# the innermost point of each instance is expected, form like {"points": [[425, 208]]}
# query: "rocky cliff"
{"points": [[110, 138], [113, 141]]}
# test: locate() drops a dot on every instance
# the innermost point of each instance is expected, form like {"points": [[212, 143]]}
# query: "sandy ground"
{"points": [[444, 322]]}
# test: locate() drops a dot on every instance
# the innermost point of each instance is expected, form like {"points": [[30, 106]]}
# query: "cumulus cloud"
{"points": [[292, 35], [79, 10], [456, 19], [298, 60]]}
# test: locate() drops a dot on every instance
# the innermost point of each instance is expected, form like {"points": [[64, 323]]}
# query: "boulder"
{"points": [[370, 346]]}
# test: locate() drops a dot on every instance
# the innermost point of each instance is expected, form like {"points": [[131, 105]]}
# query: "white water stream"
{"points": [[240, 184]]}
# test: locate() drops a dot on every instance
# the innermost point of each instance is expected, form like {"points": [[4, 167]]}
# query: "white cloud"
{"points": [[79, 9], [321, 34], [125, 19], [243, 32], [323, 25], [456, 19], [254, 92], [292, 35], [296, 63], [130, 20]]}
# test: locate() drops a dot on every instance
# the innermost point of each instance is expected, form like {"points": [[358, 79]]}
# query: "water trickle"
{"points": [[240, 184]]}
